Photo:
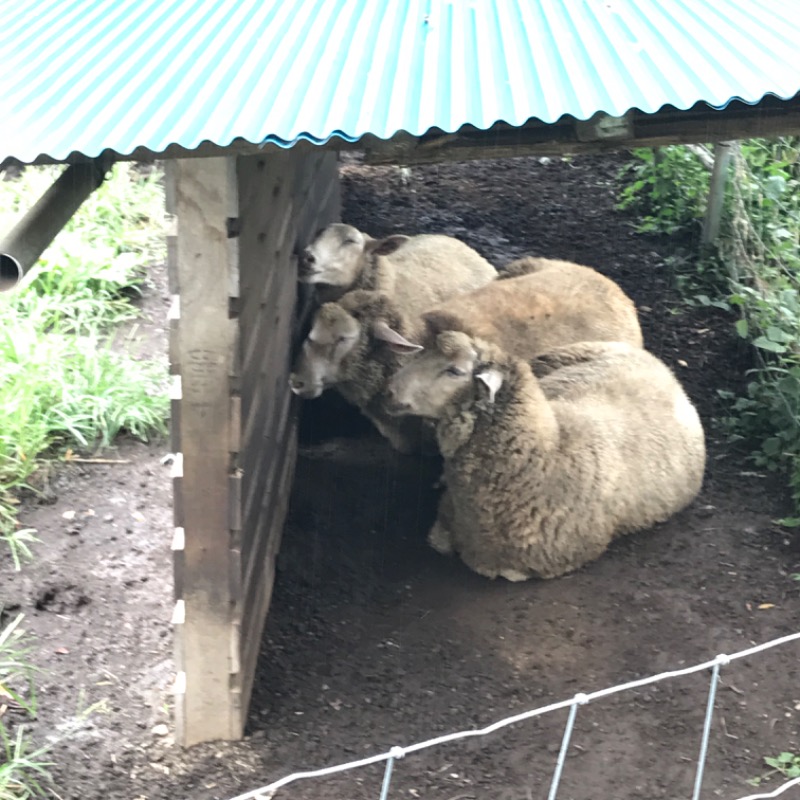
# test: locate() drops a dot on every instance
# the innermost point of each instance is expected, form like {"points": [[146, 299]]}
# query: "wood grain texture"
{"points": [[240, 224], [204, 196]]}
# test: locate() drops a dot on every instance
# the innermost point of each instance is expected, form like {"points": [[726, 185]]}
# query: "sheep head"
{"points": [[334, 334], [358, 326], [337, 254], [380, 320], [430, 381]]}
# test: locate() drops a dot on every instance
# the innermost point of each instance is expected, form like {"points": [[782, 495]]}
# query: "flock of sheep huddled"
{"points": [[558, 430]]}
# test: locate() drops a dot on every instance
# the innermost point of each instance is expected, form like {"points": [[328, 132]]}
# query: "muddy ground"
{"points": [[375, 640]]}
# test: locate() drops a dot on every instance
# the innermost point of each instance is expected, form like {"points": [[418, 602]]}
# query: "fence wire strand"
{"points": [[268, 791], [775, 793]]}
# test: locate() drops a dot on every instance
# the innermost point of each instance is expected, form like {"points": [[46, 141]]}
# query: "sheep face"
{"points": [[334, 256], [333, 336], [431, 380]]}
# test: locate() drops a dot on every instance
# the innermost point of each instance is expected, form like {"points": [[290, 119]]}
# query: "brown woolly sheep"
{"points": [[542, 473], [350, 347], [341, 258], [540, 304]]}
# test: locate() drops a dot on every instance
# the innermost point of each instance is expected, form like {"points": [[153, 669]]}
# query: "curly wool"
{"points": [[541, 480]]}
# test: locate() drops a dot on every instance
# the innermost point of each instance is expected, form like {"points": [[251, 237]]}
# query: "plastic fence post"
{"points": [[712, 693], [395, 752], [580, 699]]}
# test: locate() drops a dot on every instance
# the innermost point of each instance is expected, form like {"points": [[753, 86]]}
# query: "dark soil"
{"points": [[375, 640]]}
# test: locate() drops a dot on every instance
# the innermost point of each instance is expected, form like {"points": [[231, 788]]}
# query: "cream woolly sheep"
{"points": [[549, 303], [543, 473], [341, 258]]}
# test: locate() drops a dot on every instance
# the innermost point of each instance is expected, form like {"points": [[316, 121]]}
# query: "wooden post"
{"points": [[203, 195], [716, 193], [240, 223]]}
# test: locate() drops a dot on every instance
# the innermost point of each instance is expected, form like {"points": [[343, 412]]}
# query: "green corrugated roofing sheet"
{"points": [[91, 75]]}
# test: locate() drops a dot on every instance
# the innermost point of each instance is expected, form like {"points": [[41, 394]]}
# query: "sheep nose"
{"points": [[396, 406], [296, 384]]}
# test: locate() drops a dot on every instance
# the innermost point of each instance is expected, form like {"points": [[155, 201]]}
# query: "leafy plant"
{"points": [[24, 773], [755, 274], [667, 187], [18, 542]]}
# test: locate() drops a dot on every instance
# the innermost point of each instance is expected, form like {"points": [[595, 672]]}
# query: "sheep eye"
{"points": [[455, 372], [350, 241]]}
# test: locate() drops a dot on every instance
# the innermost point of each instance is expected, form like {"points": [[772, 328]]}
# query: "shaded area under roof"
{"points": [[90, 75]]}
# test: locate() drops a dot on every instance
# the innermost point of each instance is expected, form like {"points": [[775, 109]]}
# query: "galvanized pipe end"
{"points": [[10, 272]]}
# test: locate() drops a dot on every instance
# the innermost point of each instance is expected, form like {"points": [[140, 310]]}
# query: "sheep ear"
{"points": [[396, 342], [440, 321], [387, 246], [492, 379]]}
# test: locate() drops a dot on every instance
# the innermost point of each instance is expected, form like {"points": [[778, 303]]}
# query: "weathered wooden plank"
{"points": [[259, 477], [205, 198], [279, 198], [277, 399], [258, 601], [266, 319], [265, 503], [266, 377]]}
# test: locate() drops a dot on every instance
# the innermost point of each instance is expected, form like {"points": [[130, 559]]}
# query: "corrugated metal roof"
{"points": [[86, 75]]}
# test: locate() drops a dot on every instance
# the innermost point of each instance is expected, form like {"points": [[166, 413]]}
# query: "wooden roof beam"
{"points": [[701, 123]]}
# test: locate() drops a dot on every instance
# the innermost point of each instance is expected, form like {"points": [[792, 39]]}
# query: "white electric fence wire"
{"points": [[780, 790], [266, 792]]}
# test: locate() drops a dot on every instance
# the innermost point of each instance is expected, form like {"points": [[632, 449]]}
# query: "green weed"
{"points": [[64, 382], [23, 770], [754, 273], [667, 188], [785, 764]]}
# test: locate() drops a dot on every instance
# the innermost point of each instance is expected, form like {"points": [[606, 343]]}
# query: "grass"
{"points": [[65, 380], [23, 769]]}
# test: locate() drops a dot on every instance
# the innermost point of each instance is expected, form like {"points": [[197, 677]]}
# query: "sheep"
{"points": [[351, 346], [539, 304], [346, 345], [341, 258], [542, 473], [547, 303]]}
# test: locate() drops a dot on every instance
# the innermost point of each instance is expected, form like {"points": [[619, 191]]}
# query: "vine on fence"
{"points": [[754, 273]]}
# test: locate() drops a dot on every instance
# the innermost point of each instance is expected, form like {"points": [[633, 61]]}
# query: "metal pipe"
{"points": [[30, 237]]}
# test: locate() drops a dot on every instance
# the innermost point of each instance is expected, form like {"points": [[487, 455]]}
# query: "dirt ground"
{"points": [[374, 639]]}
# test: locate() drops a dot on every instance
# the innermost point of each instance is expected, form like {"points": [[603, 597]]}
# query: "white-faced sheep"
{"points": [[341, 258], [543, 473]]}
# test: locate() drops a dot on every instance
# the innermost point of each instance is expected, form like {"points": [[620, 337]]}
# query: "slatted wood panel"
{"points": [[233, 324]]}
